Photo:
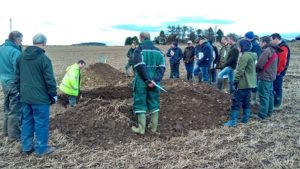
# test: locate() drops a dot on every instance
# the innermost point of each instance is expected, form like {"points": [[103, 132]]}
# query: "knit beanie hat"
{"points": [[249, 35]]}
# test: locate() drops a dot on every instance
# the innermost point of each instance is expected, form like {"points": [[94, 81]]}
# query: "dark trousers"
{"points": [[213, 75], [241, 97], [278, 89], [12, 110], [174, 70]]}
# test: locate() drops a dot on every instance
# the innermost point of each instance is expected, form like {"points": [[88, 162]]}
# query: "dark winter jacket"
{"points": [[268, 73], [35, 76], [130, 55], [232, 57], [188, 54], [256, 48], [177, 55], [204, 54], [9, 53]]}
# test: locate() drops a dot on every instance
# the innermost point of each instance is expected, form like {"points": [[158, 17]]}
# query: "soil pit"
{"points": [[104, 116]]}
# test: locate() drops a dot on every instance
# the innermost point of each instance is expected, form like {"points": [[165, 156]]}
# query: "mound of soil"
{"points": [[104, 116], [100, 74]]}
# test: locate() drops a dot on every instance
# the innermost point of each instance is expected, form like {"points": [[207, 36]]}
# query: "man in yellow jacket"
{"points": [[70, 84]]}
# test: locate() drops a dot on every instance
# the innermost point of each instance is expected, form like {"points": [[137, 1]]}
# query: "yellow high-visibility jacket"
{"points": [[70, 84]]}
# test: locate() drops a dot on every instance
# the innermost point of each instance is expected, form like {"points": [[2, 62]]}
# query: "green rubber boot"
{"points": [[141, 123], [154, 122]]}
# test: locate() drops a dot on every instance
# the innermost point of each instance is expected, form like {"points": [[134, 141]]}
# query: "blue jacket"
{"points": [[205, 51], [256, 48], [9, 53], [177, 55]]}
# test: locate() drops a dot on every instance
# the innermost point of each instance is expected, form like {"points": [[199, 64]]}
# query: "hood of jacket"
{"points": [[33, 52], [12, 44]]}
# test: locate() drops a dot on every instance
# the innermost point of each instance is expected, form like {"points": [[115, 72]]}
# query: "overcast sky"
{"points": [[67, 22]]}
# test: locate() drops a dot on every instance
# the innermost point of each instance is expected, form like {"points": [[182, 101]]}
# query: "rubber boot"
{"points": [[194, 79], [188, 76], [154, 122], [277, 103], [225, 85], [246, 115], [233, 119], [141, 124], [200, 77], [220, 84]]}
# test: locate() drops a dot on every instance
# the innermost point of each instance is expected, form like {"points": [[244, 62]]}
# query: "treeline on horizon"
{"points": [[181, 34]]}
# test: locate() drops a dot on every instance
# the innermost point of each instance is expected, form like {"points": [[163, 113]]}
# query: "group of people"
{"points": [[29, 84], [247, 66], [29, 88]]}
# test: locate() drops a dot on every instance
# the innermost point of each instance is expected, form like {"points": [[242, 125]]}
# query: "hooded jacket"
{"points": [[35, 76], [9, 53], [70, 84], [245, 75]]}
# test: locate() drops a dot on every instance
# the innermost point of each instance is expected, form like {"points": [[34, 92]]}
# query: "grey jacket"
{"points": [[269, 74]]}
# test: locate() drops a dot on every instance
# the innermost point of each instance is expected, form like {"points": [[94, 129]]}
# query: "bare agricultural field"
{"points": [[271, 143]]}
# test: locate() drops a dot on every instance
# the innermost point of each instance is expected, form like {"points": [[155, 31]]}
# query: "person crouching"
{"points": [[70, 84]]}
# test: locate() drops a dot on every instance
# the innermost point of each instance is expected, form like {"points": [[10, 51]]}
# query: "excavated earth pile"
{"points": [[103, 116]]}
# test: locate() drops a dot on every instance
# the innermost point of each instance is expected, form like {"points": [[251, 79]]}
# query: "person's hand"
{"points": [[53, 100], [151, 85]]}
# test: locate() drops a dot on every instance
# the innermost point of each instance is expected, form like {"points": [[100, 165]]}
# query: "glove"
{"points": [[53, 99]]}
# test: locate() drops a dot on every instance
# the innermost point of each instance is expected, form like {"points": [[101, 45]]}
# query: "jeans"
{"points": [[203, 71], [35, 123], [189, 67], [278, 90], [266, 97], [174, 70], [226, 71], [12, 110], [72, 100], [241, 96]]}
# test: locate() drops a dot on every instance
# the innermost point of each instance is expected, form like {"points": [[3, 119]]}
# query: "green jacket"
{"points": [[9, 53], [35, 76], [223, 56], [246, 75], [70, 84], [149, 64]]}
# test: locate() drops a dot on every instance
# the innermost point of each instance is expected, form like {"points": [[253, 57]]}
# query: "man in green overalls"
{"points": [[149, 67]]}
